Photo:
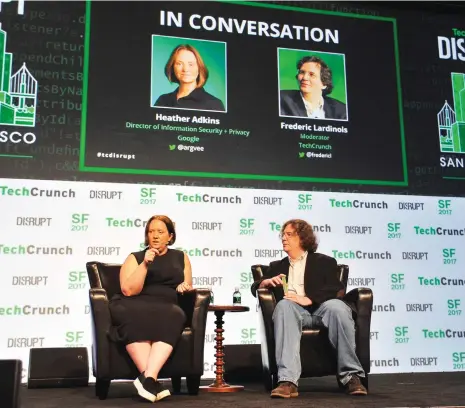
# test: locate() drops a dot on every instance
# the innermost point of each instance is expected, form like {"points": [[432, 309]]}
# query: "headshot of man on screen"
{"points": [[314, 79], [310, 300], [185, 67]]}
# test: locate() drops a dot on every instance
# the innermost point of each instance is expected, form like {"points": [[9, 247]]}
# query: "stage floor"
{"points": [[386, 390]]}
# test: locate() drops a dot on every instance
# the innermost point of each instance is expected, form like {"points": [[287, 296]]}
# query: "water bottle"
{"points": [[212, 297], [236, 297]]}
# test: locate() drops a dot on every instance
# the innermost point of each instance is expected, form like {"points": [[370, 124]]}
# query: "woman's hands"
{"points": [[184, 287], [150, 255]]}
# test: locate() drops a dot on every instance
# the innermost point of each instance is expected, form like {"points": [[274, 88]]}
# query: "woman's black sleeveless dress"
{"points": [[154, 314]]}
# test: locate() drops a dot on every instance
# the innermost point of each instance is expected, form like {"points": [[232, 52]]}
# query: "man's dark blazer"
{"points": [[321, 281], [293, 105]]}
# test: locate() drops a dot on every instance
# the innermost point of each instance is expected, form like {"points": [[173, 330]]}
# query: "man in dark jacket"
{"points": [[311, 300]]}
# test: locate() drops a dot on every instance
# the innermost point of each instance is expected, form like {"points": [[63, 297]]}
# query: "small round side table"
{"points": [[219, 385]]}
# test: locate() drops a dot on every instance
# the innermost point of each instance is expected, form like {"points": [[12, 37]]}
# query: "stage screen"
{"points": [[222, 90]]}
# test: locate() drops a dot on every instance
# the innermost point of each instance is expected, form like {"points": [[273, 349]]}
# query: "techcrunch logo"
{"points": [[276, 227], [393, 362], [127, 223], [358, 204], [361, 255], [439, 231], [440, 281], [207, 198], [34, 250], [443, 334], [383, 308], [36, 192], [28, 310], [213, 253]]}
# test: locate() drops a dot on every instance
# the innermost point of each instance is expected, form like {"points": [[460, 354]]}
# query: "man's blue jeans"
{"points": [[289, 319]]}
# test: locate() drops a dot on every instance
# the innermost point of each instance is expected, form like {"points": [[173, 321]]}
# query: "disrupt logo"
{"points": [[34, 250], [393, 362], [148, 195], [105, 195], [25, 342], [31, 280], [443, 334], [359, 282], [374, 335], [410, 206], [394, 230], [448, 256], [357, 229], [439, 231], [104, 251], [440, 281], [415, 256], [458, 360], [453, 308], [210, 338], [36, 192], [28, 310], [127, 223], [384, 308], [361, 255], [246, 226], [33, 221], [423, 361], [377, 205], [248, 336], [206, 225], [304, 202], [79, 222], [419, 307], [269, 253], [207, 280], [267, 200], [451, 47], [213, 253], [207, 198], [401, 334], [397, 281]]}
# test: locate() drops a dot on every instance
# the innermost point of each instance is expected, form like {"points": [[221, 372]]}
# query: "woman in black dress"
{"points": [[145, 315]]}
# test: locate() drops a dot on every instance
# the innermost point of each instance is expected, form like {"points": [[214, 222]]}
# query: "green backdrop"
{"points": [[213, 54], [288, 69]]}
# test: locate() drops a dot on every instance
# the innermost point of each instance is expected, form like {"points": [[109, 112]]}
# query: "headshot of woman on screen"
{"points": [[185, 67]]}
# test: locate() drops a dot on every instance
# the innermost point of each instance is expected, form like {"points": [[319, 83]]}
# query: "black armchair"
{"points": [[317, 356], [110, 361]]}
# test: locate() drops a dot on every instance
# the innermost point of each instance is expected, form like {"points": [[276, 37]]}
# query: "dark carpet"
{"points": [[386, 390]]}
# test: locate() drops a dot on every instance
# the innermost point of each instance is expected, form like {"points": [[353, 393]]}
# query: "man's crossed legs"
{"points": [[290, 318]]}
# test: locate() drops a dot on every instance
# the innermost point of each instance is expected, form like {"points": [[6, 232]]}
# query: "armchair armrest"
{"points": [[362, 298], [195, 305], [101, 323]]}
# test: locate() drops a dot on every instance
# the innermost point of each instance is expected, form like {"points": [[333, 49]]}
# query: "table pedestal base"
{"points": [[221, 388]]}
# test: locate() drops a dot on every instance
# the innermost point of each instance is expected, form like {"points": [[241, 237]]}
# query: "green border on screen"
{"points": [[83, 167]]}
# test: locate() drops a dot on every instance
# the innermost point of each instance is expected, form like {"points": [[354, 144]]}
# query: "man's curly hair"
{"points": [[304, 230]]}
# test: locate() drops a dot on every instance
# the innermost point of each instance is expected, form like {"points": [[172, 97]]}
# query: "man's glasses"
{"points": [[287, 234]]}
